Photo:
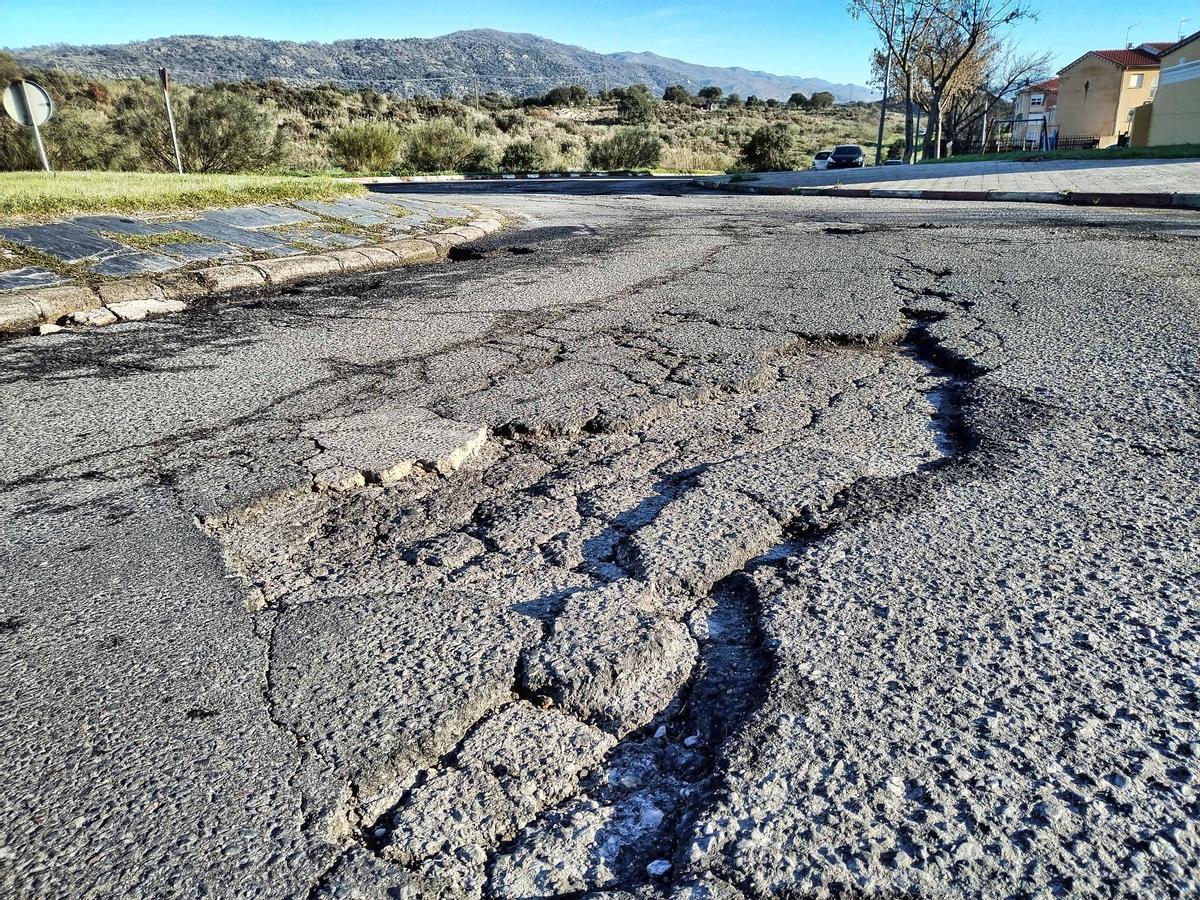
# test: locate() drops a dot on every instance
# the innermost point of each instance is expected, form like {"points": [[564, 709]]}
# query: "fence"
{"points": [[1075, 142], [1006, 143]]}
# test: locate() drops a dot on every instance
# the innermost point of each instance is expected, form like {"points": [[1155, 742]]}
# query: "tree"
{"points": [[983, 83], [821, 100], [903, 27], [931, 44], [769, 149], [772, 103], [710, 95], [797, 101], [957, 45], [752, 101], [677, 93], [566, 95], [733, 100], [635, 106], [557, 96], [627, 148]]}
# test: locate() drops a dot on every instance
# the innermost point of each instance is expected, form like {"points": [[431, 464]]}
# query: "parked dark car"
{"points": [[847, 156]]}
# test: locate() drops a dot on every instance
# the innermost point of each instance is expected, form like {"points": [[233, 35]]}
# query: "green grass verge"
{"points": [[38, 194], [1174, 151]]}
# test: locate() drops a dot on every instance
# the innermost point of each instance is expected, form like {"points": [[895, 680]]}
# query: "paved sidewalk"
{"points": [[1061, 177], [123, 246], [102, 269]]}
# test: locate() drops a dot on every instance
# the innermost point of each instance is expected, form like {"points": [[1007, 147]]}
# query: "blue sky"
{"points": [[806, 38]]}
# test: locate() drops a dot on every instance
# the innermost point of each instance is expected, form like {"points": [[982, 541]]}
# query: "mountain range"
{"points": [[483, 59]]}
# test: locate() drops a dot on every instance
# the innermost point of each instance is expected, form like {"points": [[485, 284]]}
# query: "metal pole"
{"points": [[983, 131], [887, 77], [37, 135], [164, 78]]}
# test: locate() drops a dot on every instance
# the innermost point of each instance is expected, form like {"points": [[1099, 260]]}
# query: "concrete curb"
{"points": [[519, 176], [1146, 200], [133, 299]]}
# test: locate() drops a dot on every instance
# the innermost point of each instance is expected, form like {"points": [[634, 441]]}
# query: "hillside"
{"points": [[517, 64], [749, 82]]}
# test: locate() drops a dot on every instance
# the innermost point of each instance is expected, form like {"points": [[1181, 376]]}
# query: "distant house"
{"points": [[1033, 114], [1099, 93], [1175, 118]]}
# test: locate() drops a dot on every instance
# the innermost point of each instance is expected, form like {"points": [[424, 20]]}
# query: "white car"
{"points": [[821, 160]]}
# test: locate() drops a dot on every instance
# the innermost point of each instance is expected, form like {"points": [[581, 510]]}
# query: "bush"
{"points": [[511, 120], [769, 149], [366, 146], [627, 148], [526, 156], [441, 146], [219, 131]]}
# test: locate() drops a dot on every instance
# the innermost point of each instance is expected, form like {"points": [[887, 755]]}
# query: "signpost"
{"points": [[30, 105], [165, 79]]}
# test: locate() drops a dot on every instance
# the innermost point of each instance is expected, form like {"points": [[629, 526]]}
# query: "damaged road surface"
{"points": [[662, 545]]}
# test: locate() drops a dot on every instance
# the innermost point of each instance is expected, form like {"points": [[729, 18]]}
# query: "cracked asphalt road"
{"points": [[664, 544]]}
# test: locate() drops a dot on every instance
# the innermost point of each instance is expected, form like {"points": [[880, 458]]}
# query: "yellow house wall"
{"points": [[1176, 117], [1139, 133], [1104, 107]]}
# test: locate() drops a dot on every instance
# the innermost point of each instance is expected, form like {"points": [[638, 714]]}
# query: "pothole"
{"points": [[682, 482]]}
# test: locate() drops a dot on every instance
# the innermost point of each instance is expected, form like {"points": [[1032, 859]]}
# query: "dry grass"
{"points": [[41, 194]]}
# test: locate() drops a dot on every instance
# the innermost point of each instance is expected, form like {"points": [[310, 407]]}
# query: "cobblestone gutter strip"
{"points": [[1151, 200], [49, 309]]}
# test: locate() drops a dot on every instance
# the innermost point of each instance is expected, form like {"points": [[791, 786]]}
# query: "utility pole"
{"points": [[165, 79], [887, 78]]}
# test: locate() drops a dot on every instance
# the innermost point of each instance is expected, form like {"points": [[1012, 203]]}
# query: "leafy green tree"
{"points": [[627, 148], [710, 95], [797, 101], [635, 106], [733, 100], [821, 100], [366, 146], [772, 103], [769, 149], [753, 101], [677, 93]]}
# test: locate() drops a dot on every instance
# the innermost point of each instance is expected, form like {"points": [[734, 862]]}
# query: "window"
{"points": [[1036, 101], [1136, 80], [1153, 87]]}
